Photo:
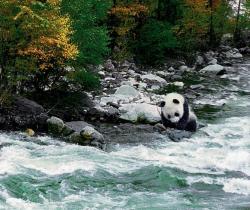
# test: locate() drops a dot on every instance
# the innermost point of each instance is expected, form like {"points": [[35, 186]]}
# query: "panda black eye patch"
{"points": [[175, 101], [162, 104], [176, 114]]}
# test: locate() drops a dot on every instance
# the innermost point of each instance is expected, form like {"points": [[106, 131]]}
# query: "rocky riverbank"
{"points": [[127, 100]]}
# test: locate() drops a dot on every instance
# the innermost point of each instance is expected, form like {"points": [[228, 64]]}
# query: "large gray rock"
{"points": [[140, 112], [89, 133], [127, 91], [154, 79], [87, 137], [214, 68], [233, 54], [183, 68], [123, 94], [25, 105], [55, 126], [77, 132], [76, 126], [108, 113], [178, 135]]}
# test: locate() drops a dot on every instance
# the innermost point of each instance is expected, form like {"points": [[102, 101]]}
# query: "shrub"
{"points": [[90, 31], [84, 79], [156, 40]]}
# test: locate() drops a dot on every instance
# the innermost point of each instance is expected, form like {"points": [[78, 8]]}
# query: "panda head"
{"points": [[173, 107]]}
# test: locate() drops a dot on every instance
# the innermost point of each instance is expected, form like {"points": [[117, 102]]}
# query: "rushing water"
{"points": [[209, 171]]}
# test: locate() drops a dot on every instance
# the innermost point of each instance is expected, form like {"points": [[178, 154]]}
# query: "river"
{"points": [[211, 170]]}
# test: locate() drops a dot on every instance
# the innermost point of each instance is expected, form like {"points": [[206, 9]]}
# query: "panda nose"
{"points": [[169, 116]]}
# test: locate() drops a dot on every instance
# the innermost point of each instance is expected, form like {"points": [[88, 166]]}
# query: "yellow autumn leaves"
{"points": [[47, 32]]}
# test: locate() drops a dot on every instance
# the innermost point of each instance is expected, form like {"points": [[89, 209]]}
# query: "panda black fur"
{"points": [[176, 113]]}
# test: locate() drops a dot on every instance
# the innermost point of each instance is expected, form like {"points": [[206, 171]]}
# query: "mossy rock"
{"points": [[55, 126]]}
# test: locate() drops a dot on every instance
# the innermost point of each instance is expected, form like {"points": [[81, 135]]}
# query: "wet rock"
{"points": [[199, 86], [179, 84], [176, 77], [234, 54], [171, 69], [226, 63], [76, 138], [55, 126], [30, 132], [25, 105], [212, 62], [161, 73], [23, 113], [154, 79], [76, 126], [142, 112], [105, 114], [178, 135], [222, 72], [212, 68], [78, 132], [183, 68], [89, 133], [127, 91]]}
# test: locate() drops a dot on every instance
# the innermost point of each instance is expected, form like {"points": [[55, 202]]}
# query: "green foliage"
{"points": [[84, 79], [34, 39], [156, 39], [90, 32], [221, 23]]}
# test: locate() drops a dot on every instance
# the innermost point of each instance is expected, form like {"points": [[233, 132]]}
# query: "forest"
{"points": [[51, 44]]}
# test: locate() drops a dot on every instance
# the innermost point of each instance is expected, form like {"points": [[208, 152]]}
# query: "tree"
{"points": [[35, 41], [203, 23], [126, 17], [156, 39], [90, 31]]}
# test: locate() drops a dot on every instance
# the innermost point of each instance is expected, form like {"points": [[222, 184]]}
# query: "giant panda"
{"points": [[176, 113]]}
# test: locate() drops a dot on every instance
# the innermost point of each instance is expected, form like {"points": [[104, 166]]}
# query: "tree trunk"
{"points": [[237, 27]]}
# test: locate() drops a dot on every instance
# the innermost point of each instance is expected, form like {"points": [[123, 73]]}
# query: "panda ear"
{"points": [[162, 104], [175, 101]]}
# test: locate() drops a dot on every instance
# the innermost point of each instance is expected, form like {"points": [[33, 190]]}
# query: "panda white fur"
{"points": [[176, 113]]}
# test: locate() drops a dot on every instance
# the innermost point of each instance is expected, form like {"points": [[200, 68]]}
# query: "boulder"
{"points": [[171, 69], [87, 137], [154, 79], [233, 54], [140, 112], [214, 68], [89, 133], [78, 132], [25, 105], [55, 126], [198, 86], [127, 91], [107, 113], [213, 61], [178, 135], [183, 68], [178, 84], [76, 126], [123, 94], [23, 113]]}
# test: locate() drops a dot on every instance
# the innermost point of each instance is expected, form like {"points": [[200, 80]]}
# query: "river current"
{"points": [[211, 170]]}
